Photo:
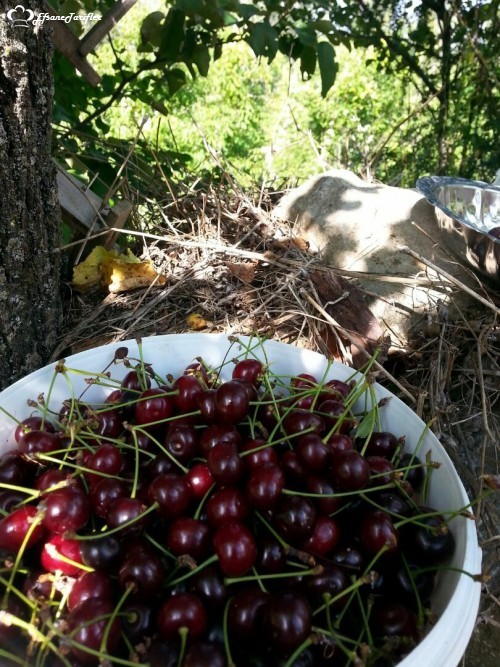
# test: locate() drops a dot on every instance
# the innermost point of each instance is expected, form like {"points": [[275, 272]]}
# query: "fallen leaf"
{"points": [[196, 322], [244, 271]]}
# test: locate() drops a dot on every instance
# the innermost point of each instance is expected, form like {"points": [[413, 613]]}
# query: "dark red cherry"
{"points": [[103, 553], [333, 580], [106, 423], [200, 480], [351, 470], [67, 509], [53, 477], [90, 585], [189, 536], [235, 547], [330, 411], [183, 610], [209, 586], [127, 514], [377, 531], [17, 528], [189, 389], [244, 614], [91, 628], [137, 620], [349, 555], [232, 402], [329, 501], [286, 621], [136, 380], [143, 573], [40, 442], [312, 453], [262, 454], [172, 493], [153, 405], [382, 444], [380, 470], [324, 538], [15, 469], [10, 499], [33, 423], [205, 654], [226, 505], [225, 464], [295, 472], [107, 460], [393, 619], [339, 389], [295, 517], [206, 405], [300, 421], [415, 471], [104, 493], [182, 442], [216, 434], [338, 443], [265, 485], [249, 370], [271, 556], [429, 540], [162, 464], [303, 381]]}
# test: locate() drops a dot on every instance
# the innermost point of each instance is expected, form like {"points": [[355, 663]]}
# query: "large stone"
{"points": [[361, 226]]}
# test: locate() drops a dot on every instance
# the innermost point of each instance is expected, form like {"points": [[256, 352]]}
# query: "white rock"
{"points": [[361, 226]]}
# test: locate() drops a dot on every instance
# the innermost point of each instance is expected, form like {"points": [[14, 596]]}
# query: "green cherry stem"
{"points": [[225, 635], [298, 651], [195, 570]]}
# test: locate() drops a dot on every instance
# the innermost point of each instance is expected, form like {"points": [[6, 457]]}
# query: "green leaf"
{"points": [[327, 66], [292, 48], [173, 35], [152, 28], [108, 83], [247, 11], [176, 78], [191, 6], [323, 26], [308, 62], [217, 50], [201, 58], [263, 40], [307, 37]]}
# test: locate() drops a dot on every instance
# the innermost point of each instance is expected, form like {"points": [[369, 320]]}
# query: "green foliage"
{"points": [[271, 86]]}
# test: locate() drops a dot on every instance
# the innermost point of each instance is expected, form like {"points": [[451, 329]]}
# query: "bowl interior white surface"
{"points": [[456, 598]]}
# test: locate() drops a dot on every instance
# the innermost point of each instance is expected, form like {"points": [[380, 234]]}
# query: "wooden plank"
{"points": [[99, 31], [79, 206], [68, 43], [116, 218]]}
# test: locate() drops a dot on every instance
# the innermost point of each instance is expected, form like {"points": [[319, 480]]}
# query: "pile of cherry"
{"points": [[196, 522]]}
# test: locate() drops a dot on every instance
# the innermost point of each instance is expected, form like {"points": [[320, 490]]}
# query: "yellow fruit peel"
{"points": [[120, 273]]}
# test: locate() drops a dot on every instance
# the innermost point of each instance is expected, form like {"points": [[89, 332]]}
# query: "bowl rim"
{"points": [[427, 186]]}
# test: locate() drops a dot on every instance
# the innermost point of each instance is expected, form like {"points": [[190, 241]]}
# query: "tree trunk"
{"points": [[30, 303]]}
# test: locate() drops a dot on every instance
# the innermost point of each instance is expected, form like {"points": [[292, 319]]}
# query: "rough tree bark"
{"points": [[30, 304]]}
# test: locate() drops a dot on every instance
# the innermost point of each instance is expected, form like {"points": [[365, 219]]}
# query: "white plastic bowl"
{"points": [[456, 598]]}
